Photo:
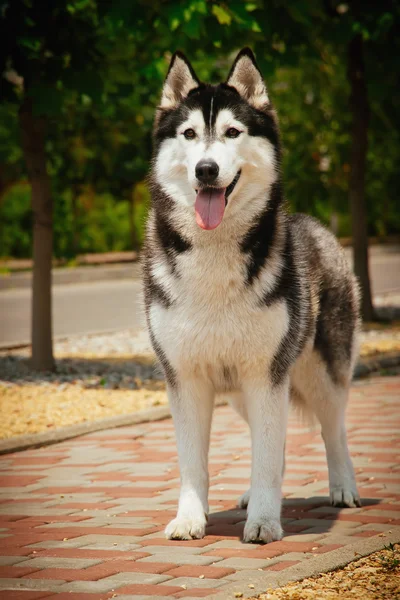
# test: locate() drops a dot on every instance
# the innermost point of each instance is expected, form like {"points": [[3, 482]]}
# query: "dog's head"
{"points": [[216, 146]]}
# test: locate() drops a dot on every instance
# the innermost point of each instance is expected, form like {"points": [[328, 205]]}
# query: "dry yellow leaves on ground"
{"points": [[36, 408], [375, 577]]}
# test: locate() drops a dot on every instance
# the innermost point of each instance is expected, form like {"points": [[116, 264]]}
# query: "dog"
{"points": [[242, 299]]}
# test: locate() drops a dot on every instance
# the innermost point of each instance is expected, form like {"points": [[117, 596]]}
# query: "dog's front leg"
{"points": [[191, 406], [267, 406]]}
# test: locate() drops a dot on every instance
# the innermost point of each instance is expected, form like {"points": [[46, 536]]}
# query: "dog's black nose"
{"points": [[207, 171]]}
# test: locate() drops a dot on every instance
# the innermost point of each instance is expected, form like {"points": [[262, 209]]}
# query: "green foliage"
{"points": [[391, 560], [95, 70], [100, 223], [16, 222]]}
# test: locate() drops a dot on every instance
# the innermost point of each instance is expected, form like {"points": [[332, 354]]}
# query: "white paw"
{"points": [[262, 530], [186, 528], [345, 496], [244, 500]]}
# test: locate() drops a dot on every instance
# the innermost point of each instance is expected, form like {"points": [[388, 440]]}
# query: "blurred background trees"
{"points": [[82, 78]]}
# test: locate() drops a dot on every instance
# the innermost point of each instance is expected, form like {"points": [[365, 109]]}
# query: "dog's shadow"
{"points": [[299, 516]]}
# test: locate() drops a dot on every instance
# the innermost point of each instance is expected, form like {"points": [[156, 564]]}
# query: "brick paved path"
{"points": [[84, 519]]}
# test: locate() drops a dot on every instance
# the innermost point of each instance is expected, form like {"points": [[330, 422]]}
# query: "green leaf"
{"points": [[223, 16], [174, 24]]}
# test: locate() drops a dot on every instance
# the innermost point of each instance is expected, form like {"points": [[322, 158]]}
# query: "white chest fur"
{"points": [[216, 326]]}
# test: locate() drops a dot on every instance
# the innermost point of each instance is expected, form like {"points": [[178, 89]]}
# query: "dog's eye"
{"points": [[189, 134], [232, 132]]}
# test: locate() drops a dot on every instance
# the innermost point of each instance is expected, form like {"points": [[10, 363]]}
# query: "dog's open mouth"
{"points": [[211, 203]]}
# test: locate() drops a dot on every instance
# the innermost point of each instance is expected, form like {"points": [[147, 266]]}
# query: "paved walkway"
{"points": [[84, 519]]}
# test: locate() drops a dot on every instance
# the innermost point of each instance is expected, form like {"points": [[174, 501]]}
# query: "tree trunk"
{"points": [[359, 144], [33, 139]]}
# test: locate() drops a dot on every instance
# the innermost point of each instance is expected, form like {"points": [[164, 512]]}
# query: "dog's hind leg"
{"points": [[191, 406], [342, 483], [238, 403], [327, 399]]}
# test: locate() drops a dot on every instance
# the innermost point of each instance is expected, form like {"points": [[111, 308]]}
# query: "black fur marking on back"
{"points": [[335, 327], [291, 289], [338, 304], [259, 239]]}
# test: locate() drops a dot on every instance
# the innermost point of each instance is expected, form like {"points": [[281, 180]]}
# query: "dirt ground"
{"points": [[36, 408], [375, 577]]}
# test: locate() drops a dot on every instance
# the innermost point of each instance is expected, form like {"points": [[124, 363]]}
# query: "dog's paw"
{"points": [[345, 496], [244, 500], [186, 528], [262, 530]]}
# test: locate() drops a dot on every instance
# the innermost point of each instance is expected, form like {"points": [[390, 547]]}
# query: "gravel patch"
{"points": [[122, 360], [375, 577], [380, 338]]}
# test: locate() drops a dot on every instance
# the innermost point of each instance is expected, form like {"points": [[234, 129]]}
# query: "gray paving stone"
{"points": [[326, 524], [19, 509], [180, 558], [243, 563], [175, 550], [132, 578], [89, 586], [44, 585], [248, 574], [43, 562], [120, 546], [383, 527], [300, 537], [108, 540], [114, 516], [337, 538], [6, 561], [195, 582], [322, 530], [74, 543], [238, 544]]}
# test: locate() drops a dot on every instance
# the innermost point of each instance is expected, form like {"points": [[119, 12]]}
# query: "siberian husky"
{"points": [[242, 299]]}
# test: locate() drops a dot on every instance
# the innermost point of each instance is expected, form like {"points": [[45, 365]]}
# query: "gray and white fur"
{"points": [[242, 299]]}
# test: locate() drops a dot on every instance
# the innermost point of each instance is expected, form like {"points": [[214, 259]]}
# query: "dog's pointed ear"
{"points": [[180, 79], [246, 78]]}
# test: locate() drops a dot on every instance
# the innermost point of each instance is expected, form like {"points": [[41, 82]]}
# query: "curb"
{"points": [[157, 413], [35, 440], [4, 347], [81, 274], [373, 364], [308, 568]]}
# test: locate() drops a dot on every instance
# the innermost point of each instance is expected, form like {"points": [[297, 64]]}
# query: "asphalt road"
{"points": [[80, 308]]}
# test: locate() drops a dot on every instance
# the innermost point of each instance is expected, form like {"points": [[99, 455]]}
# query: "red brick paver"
{"points": [[85, 518]]}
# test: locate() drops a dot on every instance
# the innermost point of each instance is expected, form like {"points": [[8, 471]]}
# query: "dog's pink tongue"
{"points": [[210, 207]]}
